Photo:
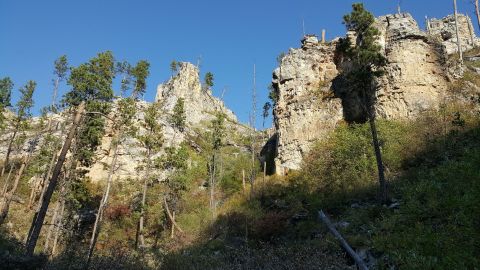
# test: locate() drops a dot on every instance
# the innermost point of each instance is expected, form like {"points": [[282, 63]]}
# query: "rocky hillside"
{"points": [[312, 99], [200, 107]]}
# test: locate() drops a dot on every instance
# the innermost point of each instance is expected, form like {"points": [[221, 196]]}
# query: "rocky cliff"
{"points": [[444, 30], [200, 105], [200, 108], [312, 99]]}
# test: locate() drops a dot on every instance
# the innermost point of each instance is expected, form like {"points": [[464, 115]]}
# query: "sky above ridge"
{"points": [[228, 36]]}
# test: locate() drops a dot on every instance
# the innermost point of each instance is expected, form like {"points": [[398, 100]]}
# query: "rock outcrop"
{"points": [[200, 105], [305, 109], [309, 106], [200, 108], [445, 31]]}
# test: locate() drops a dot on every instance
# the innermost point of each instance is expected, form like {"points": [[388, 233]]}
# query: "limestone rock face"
{"points": [[445, 31], [415, 79], [200, 105], [309, 106], [305, 110]]}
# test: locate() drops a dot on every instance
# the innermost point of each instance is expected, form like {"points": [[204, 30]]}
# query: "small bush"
{"points": [[117, 212], [271, 225]]}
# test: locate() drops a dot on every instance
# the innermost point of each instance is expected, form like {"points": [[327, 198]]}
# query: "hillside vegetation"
{"points": [[198, 196]]}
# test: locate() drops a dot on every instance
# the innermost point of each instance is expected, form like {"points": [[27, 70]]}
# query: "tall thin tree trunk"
{"points": [[243, 180], [103, 204], [32, 240], [253, 117], [7, 181], [9, 149], [172, 233], [477, 12], [58, 229], [170, 216], [212, 184], [53, 222], [459, 43], [144, 198], [7, 199], [378, 157], [370, 111], [43, 182]]}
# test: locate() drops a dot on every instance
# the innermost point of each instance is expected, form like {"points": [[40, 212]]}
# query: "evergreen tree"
{"points": [[61, 69], [122, 125], [216, 140], [173, 67], [179, 117], [6, 86], [266, 110], [208, 80], [92, 82], [19, 122], [125, 69], [174, 161], [366, 62], [152, 141], [140, 72]]}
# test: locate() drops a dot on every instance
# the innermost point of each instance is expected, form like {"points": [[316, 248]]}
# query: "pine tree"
{"points": [[6, 86], [91, 92], [140, 72], [61, 69], [174, 161], [50, 141], [208, 81], [92, 82], [217, 135], [122, 125], [38, 220], [179, 117], [173, 67], [152, 141], [366, 65], [125, 69], [19, 122], [266, 110]]}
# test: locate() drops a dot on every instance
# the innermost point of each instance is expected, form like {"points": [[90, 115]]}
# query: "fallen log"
{"points": [[360, 263], [170, 216]]}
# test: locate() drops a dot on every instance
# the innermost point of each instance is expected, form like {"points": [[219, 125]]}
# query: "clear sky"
{"points": [[229, 36]]}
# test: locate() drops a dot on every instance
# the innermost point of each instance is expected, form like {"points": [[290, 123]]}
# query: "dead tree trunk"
{"points": [[243, 180], [7, 199], [58, 229], [360, 263], [170, 216], [144, 199], [53, 221], [43, 182], [212, 185], [7, 181], [32, 240], [103, 204], [459, 43], [9, 150], [477, 12], [172, 233]]}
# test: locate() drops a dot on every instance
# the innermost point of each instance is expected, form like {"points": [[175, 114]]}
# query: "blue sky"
{"points": [[229, 36]]}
